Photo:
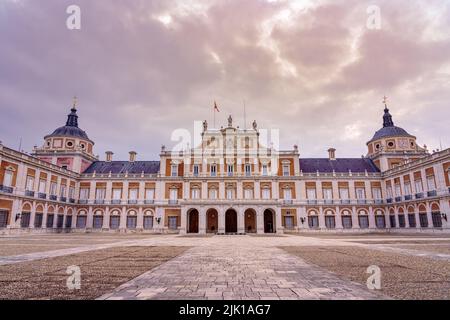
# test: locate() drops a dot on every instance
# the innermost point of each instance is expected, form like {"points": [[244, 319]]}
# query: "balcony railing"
{"points": [[345, 201], [52, 197], [83, 201], [408, 197], [149, 201], [132, 201], [288, 201], [172, 202], [398, 199], [71, 200], [432, 193], [6, 189], [29, 193], [63, 199], [42, 195], [361, 201], [311, 201], [389, 200], [378, 201], [98, 201], [419, 195], [116, 201]]}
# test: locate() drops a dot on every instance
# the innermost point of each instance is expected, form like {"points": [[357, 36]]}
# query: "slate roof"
{"points": [[390, 132], [121, 167], [325, 165], [68, 131]]}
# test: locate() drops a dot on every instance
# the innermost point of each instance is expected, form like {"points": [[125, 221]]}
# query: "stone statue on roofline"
{"points": [[230, 121], [205, 125]]}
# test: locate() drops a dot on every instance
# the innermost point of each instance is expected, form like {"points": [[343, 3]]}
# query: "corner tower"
{"points": [[392, 146], [68, 146]]}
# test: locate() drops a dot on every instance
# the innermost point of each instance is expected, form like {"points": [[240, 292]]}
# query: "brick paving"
{"points": [[239, 273]]}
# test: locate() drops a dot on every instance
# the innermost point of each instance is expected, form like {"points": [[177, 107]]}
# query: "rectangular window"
{"points": [[430, 183], [360, 193], [248, 193], [84, 194], [71, 192], [196, 170], [401, 221], [148, 222], [68, 222], [213, 170], [423, 220], [380, 222], [248, 170], [328, 194], [437, 219], [131, 222], [313, 222], [407, 189], [363, 221], [38, 219], [376, 192], [117, 194], [412, 220], [149, 194], [3, 219], [330, 222], [418, 186], [289, 222], [25, 220], [53, 186], [42, 186], [389, 192], [266, 193], [264, 170], [398, 190], [98, 222], [114, 222], [286, 170], [133, 194], [7, 180], [195, 193], [81, 222], [213, 193], [59, 221], [347, 222], [173, 223], [62, 191], [49, 222], [344, 194], [230, 168], [173, 194], [311, 193], [392, 220], [100, 194], [174, 170], [30, 183], [230, 194]]}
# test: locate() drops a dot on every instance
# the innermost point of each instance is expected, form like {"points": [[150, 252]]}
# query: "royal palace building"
{"points": [[229, 183]]}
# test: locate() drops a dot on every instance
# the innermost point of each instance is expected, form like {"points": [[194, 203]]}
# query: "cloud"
{"points": [[142, 69]]}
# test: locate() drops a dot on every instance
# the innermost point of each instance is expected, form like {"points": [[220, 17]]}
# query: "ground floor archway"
{"points": [[231, 221], [212, 221], [192, 221], [250, 221], [269, 221]]}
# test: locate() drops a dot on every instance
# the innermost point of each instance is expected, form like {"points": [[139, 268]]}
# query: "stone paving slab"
{"points": [[238, 273]]}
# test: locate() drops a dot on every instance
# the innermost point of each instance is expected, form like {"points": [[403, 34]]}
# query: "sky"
{"points": [[315, 70]]}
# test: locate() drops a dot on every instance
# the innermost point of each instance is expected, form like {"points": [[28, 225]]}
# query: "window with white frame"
{"points": [[248, 170], [149, 194], [248, 193], [431, 183], [213, 170], [389, 191], [8, 178], [343, 193], [213, 193], [133, 194], [287, 194], [230, 193], [53, 188], [407, 188], [418, 186], [62, 191], [376, 192], [195, 193], [286, 170], [84, 194], [266, 193], [174, 170], [230, 169], [100, 194], [327, 193], [196, 170], [117, 194], [311, 193], [30, 183], [173, 194], [264, 170], [42, 186], [360, 193], [398, 190], [71, 192]]}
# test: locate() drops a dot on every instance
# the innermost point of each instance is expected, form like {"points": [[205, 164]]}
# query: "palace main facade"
{"points": [[229, 184]]}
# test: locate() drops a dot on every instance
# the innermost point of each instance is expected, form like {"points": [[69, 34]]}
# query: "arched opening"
{"points": [[231, 221], [192, 218], [250, 221], [269, 221], [212, 221]]}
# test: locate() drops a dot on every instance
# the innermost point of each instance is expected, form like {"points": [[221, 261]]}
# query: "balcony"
{"points": [[345, 201], [432, 193], [132, 202], [52, 197], [71, 200], [97, 201], [328, 201], [29, 193], [83, 201], [378, 201], [419, 195], [63, 199], [389, 200], [173, 202], [6, 189], [288, 202], [149, 201], [116, 201], [361, 201], [313, 202], [398, 199], [42, 195], [408, 197]]}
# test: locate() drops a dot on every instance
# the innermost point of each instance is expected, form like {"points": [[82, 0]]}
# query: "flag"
{"points": [[216, 108]]}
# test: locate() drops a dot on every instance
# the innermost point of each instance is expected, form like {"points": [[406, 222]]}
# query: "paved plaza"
{"points": [[246, 267]]}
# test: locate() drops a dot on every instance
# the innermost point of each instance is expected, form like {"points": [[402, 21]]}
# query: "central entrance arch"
{"points": [[250, 221], [269, 221], [231, 221], [212, 221], [192, 221]]}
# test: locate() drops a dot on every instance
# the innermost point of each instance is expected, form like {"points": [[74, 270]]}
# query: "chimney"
{"points": [[109, 156], [332, 154], [133, 156]]}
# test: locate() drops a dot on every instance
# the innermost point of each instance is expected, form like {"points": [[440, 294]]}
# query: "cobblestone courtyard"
{"points": [[232, 267]]}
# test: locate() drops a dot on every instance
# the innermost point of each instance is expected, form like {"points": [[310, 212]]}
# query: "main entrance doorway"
{"points": [[231, 221], [193, 221], [269, 221]]}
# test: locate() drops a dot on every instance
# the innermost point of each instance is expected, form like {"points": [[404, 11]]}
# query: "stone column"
{"points": [[89, 219], [279, 224], [240, 221], [372, 224], [321, 219], [221, 221], [140, 220], [338, 219], [429, 216], [123, 219], [355, 220], [183, 222], [202, 221], [106, 218], [416, 214], [259, 221], [33, 215], [386, 218], [44, 217]]}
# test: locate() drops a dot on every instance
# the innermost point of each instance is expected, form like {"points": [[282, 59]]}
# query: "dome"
{"points": [[71, 128], [389, 129]]}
